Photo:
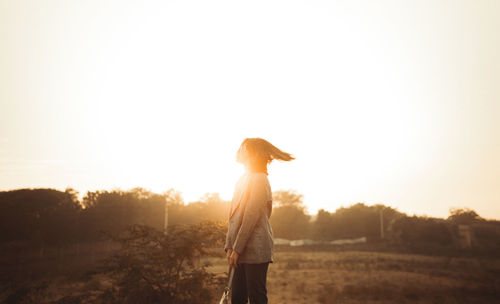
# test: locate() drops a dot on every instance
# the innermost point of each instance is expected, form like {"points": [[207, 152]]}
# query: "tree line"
{"points": [[48, 217]]}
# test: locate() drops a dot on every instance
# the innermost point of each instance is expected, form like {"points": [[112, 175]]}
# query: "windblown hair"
{"points": [[260, 150]]}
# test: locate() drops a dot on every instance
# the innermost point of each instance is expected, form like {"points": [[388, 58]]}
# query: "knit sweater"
{"points": [[249, 231]]}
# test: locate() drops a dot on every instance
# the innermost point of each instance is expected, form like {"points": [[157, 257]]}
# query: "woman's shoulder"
{"points": [[259, 182], [258, 177], [252, 179], [247, 180]]}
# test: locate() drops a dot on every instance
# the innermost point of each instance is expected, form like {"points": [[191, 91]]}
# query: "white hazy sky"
{"points": [[393, 102]]}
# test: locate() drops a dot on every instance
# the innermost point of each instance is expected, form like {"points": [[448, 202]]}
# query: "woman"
{"points": [[249, 239]]}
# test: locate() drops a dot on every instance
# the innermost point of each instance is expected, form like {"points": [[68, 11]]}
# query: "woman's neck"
{"points": [[257, 167]]}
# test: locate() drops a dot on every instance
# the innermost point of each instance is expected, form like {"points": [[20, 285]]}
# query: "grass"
{"points": [[368, 277], [323, 277]]}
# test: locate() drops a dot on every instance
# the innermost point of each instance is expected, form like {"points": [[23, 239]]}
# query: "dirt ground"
{"points": [[368, 277], [325, 277]]}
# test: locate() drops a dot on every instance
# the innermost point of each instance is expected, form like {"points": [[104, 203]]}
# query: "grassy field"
{"points": [[326, 276], [368, 277]]}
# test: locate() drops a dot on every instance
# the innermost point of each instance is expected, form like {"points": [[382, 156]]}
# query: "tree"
{"points": [[46, 216], [323, 226], [113, 211], [283, 198], [463, 216], [289, 219], [421, 232], [354, 221], [210, 207]]}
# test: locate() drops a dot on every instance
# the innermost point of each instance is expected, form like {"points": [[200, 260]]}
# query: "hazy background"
{"points": [[388, 102]]}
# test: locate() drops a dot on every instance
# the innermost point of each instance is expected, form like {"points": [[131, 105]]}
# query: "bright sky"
{"points": [[393, 102]]}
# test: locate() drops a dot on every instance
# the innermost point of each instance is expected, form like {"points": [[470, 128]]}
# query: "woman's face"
{"points": [[242, 156]]}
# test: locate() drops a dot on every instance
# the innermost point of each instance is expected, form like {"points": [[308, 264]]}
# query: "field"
{"points": [[368, 277], [302, 276]]}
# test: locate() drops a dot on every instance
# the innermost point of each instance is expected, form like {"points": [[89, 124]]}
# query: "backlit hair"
{"points": [[258, 149]]}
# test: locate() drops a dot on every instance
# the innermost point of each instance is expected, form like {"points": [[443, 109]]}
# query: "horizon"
{"points": [[379, 103], [308, 211]]}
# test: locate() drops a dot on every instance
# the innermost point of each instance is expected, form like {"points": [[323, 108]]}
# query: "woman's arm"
{"points": [[227, 246]]}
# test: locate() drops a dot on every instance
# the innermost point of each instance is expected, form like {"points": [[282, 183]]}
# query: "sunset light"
{"points": [[262, 152], [379, 103]]}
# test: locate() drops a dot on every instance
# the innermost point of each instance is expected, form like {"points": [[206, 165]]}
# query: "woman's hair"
{"points": [[260, 150]]}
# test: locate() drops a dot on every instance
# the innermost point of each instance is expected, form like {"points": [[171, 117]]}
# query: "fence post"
{"points": [[381, 224], [165, 219]]}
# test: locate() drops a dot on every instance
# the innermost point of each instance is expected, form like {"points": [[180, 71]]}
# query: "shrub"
{"points": [[154, 267]]}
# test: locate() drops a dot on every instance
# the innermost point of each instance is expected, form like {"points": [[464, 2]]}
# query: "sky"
{"points": [[391, 102]]}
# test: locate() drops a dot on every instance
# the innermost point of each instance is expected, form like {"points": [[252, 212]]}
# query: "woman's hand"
{"points": [[228, 254], [233, 259]]}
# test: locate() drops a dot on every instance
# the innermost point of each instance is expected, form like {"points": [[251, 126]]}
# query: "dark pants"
{"points": [[249, 282]]}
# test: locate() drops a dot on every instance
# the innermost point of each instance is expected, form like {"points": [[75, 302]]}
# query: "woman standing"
{"points": [[249, 239]]}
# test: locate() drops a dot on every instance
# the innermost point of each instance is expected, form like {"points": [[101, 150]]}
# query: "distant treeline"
{"points": [[48, 217]]}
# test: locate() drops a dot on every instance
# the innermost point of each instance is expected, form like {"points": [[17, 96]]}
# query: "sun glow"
{"points": [[160, 95]]}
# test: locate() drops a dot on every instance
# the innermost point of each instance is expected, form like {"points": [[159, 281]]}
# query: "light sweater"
{"points": [[249, 231]]}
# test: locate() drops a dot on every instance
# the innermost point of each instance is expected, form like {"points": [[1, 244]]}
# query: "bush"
{"points": [[153, 267], [423, 232]]}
